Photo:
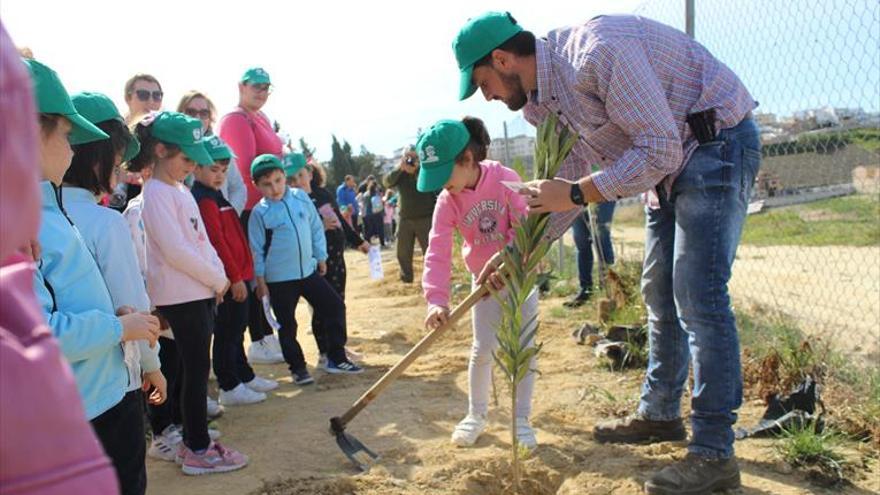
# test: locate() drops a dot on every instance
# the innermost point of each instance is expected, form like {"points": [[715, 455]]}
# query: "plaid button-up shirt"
{"points": [[625, 85]]}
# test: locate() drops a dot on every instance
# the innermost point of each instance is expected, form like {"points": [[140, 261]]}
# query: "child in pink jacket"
{"points": [[185, 277], [475, 203]]}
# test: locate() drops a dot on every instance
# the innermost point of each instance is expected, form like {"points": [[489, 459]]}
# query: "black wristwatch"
{"points": [[576, 195]]}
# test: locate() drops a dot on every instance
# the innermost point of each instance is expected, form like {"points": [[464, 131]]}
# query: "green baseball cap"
{"points": [[186, 132], [97, 108], [52, 98], [217, 148], [293, 163], [437, 148], [256, 75], [265, 162], [477, 39]]}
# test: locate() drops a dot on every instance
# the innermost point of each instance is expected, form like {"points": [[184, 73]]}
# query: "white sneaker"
{"points": [[178, 430], [164, 445], [260, 384], [262, 352], [525, 435], [241, 395], [273, 341], [215, 410], [469, 429]]}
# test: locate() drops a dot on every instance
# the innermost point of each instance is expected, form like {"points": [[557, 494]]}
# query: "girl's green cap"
{"points": [[293, 163], [186, 132], [52, 98], [437, 148], [265, 162], [97, 108], [217, 148]]}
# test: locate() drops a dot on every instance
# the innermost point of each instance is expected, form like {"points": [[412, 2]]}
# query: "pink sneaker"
{"points": [[216, 459], [180, 455]]}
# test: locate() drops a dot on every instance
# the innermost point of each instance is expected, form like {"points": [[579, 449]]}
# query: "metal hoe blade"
{"points": [[351, 446]]}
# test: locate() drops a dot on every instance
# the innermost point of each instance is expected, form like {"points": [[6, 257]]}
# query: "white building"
{"points": [[515, 147]]}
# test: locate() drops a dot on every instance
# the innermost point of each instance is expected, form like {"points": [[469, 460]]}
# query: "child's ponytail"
{"points": [[479, 142], [147, 155]]}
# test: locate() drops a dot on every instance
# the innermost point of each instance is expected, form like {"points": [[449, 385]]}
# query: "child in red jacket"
{"points": [[237, 381]]}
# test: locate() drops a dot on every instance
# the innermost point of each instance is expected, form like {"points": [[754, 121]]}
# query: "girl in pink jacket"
{"points": [[475, 203], [185, 277]]}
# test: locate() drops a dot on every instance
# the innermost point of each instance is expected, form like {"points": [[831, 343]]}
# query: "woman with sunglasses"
{"points": [[249, 132], [198, 106], [143, 94]]}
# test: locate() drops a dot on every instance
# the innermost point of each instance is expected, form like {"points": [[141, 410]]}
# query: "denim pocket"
{"points": [[707, 168], [751, 163]]}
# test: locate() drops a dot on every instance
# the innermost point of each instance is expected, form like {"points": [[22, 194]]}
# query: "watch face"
{"points": [[577, 196]]}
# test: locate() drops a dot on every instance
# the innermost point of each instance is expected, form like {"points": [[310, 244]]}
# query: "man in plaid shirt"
{"points": [[658, 115]]}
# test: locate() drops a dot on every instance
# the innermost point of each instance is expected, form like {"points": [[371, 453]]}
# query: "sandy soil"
{"points": [[292, 452]]}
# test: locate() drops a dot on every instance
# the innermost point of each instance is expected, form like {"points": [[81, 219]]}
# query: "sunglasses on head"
{"points": [[144, 95], [262, 88], [199, 114]]}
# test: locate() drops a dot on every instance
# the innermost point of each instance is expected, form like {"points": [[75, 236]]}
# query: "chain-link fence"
{"points": [[811, 248]]}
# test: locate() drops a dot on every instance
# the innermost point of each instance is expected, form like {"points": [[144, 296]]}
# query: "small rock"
{"points": [[783, 467]]}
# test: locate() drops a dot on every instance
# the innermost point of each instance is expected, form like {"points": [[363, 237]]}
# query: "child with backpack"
{"points": [[290, 259]]}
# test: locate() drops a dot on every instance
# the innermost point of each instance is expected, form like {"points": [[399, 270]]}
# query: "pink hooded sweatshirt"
{"points": [[484, 216], [46, 444]]}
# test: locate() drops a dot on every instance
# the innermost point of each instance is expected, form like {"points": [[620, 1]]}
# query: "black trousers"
{"points": [[121, 432], [258, 327], [168, 412], [375, 227], [193, 323], [336, 276], [328, 306], [230, 364]]}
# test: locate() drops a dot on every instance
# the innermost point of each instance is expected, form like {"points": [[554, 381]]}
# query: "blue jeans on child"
{"points": [[690, 246], [583, 241]]}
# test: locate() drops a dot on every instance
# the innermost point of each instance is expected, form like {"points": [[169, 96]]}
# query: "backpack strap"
{"points": [[268, 234]]}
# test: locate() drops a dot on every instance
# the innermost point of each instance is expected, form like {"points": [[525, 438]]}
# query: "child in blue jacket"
{"points": [[74, 298], [290, 253]]}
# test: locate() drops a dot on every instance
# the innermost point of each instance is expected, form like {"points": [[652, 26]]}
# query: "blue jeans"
{"points": [[584, 243], [690, 246]]}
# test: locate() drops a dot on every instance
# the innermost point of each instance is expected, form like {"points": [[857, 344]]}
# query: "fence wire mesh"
{"points": [[811, 247]]}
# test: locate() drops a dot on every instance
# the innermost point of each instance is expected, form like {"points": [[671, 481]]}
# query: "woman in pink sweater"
{"points": [[483, 211], [248, 131]]}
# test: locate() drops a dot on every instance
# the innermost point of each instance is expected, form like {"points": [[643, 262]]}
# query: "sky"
{"points": [[373, 73]]}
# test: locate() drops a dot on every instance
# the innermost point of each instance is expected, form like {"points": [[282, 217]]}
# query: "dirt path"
{"points": [[833, 291], [287, 436]]}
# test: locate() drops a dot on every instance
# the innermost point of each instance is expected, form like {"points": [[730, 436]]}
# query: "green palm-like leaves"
{"points": [[515, 336]]}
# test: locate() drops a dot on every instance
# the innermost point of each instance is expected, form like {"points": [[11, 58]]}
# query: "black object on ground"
{"points": [[797, 409]]}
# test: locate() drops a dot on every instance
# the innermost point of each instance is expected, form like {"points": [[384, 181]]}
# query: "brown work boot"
{"points": [[694, 475], [635, 429]]}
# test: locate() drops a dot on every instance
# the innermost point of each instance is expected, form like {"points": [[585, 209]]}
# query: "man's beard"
{"points": [[513, 84]]}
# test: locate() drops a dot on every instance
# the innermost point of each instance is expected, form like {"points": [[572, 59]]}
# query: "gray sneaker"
{"points": [[694, 475], [635, 429]]}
